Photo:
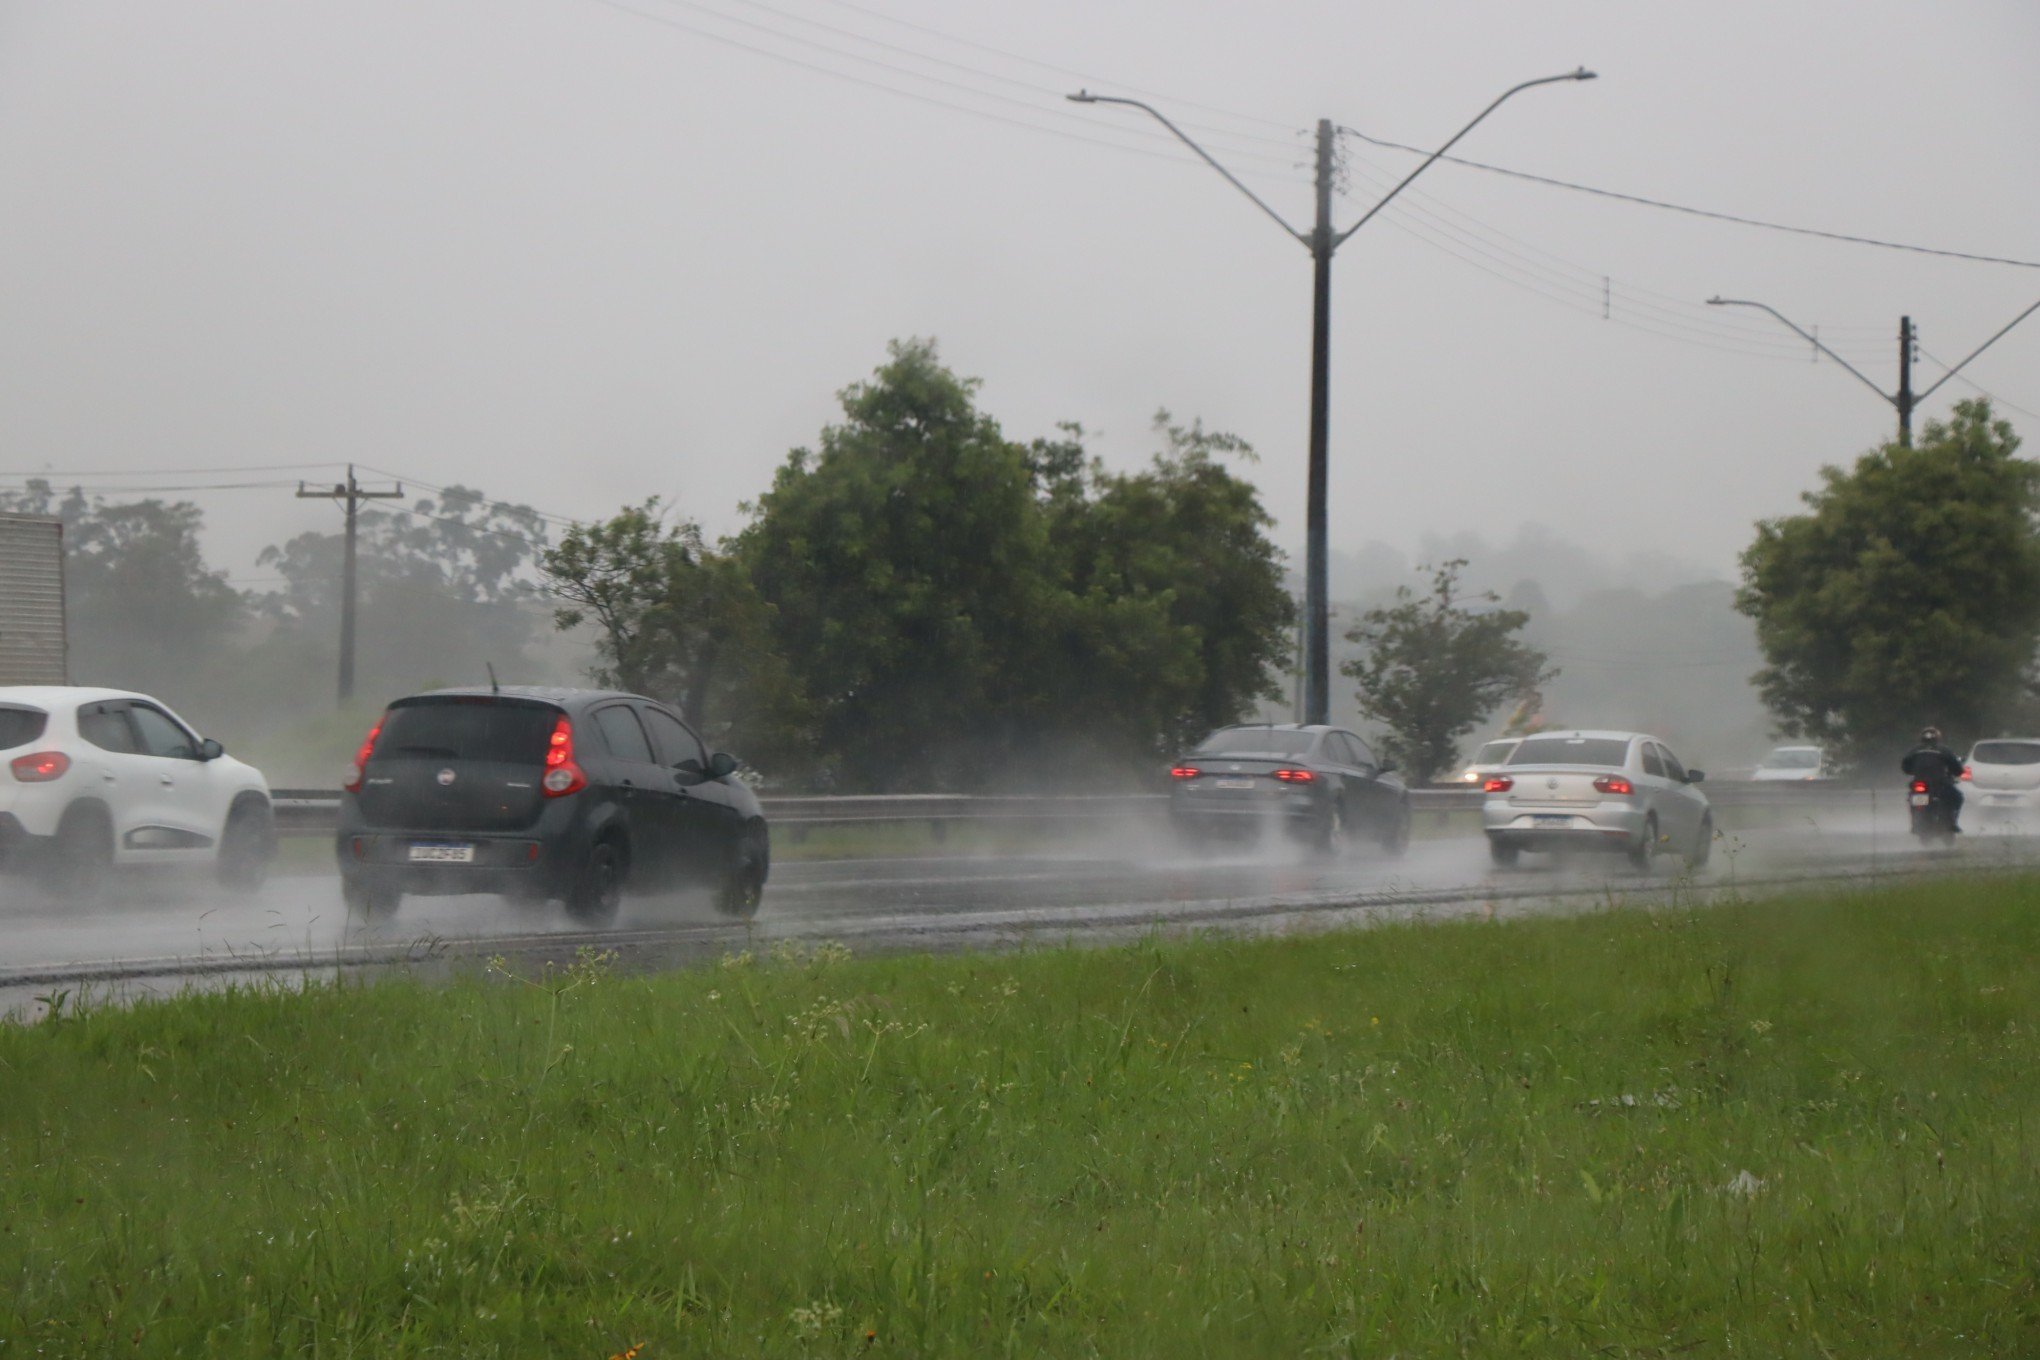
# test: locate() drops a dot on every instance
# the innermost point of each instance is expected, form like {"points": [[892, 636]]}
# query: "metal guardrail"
{"points": [[309, 812]]}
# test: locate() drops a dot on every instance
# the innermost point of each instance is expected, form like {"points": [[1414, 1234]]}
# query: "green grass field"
{"points": [[1799, 1127]]}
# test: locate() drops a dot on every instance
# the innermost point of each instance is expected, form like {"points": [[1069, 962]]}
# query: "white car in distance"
{"points": [[1791, 763], [2002, 780], [1605, 791], [96, 778], [1488, 759]]}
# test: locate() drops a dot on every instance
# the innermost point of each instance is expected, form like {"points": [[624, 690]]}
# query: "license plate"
{"points": [[442, 854], [2004, 798], [1922, 799], [1234, 784], [1552, 819]]}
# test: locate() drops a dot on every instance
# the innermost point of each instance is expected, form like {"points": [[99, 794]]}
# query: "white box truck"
{"points": [[33, 649]]}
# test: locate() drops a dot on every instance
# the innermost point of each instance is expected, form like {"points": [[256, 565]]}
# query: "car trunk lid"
{"points": [[1554, 785]]}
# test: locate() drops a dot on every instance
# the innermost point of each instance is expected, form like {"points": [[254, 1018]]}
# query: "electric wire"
{"points": [[1978, 387], [851, 77], [1738, 219]]}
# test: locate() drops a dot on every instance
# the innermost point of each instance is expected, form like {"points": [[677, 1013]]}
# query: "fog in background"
{"points": [[578, 252]]}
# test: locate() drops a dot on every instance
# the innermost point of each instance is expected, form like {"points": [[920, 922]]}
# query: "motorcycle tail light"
{"points": [[1919, 786]]}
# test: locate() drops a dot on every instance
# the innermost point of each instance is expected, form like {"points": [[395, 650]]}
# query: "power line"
{"points": [[1971, 383], [1709, 213]]}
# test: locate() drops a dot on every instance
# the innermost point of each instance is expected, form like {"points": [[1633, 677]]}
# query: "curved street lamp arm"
{"points": [[1086, 97], [1979, 349], [1582, 74], [1813, 340]]}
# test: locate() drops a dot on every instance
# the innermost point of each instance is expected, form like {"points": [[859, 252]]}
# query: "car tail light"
{"points": [[1614, 783], [1501, 783], [1919, 786], [352, 783], [563, 775], [40, 767], [1968, 773], [1185, 772], [1295, 776]]}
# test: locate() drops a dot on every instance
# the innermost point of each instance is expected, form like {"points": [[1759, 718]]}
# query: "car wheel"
{"points": [[1335, 836], [1396, 839], [368, 902], [1503, 853], [1703, 845], [82, 852], [743, 884], [1640, 853], [598, 891], [246, 846]]}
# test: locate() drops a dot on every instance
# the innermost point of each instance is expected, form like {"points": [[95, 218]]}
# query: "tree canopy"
{"points": [[1435, 668], [1908, 593]]}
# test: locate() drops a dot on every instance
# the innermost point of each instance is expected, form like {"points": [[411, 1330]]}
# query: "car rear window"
{"points": [[2006, 753], [1258, 741], [504, 731], [20, 726], [1612, 751]]}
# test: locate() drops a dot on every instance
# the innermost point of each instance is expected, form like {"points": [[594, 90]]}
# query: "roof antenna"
{"points": [[494, 688]]}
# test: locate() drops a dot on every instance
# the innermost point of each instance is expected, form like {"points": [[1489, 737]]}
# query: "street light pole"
{"points": [[1904, 400], [1322, 241]]}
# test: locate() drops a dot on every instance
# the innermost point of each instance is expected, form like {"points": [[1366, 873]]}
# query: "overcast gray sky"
{"points": [[578, 252]]}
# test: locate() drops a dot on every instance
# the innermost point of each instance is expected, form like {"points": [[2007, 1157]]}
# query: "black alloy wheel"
{"points": [[597, 893], [1640, 853], [1703, 846], [247, 846], [82, 853], [1396, 837], [743, 883], [1335, 832]]}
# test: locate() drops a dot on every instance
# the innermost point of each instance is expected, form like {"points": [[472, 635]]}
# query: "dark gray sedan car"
{"points": [[1320, 785]]}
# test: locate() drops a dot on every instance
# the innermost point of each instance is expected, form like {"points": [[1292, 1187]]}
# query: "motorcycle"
{"points": [[1933, 815]]}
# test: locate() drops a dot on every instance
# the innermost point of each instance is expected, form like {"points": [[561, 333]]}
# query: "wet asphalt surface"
{"points": [[154, 935]]}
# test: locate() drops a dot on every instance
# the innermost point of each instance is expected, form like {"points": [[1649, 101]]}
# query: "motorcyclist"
{"points": [[1940, 768]]}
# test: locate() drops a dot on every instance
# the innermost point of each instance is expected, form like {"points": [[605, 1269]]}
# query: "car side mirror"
{"points": [[1695, 776], [210, 750], [721, 765]]}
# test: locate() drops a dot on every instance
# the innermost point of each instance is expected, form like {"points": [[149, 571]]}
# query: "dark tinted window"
{"points": [[20, 726], [106, 726], [1986, 752], [620, 729], [1651, 763], [676, 742], [505, 731], [1611, 751], [1255, 741], [161, 736]]}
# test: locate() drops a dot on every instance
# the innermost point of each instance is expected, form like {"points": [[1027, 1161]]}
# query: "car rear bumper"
{"points": [[1297, 815], [2000, 802], [1600, 826], [512, 866]]}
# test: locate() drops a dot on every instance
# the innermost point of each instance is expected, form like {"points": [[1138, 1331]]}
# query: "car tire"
{"points": [[597, 893], [1396, 838], [1335, 833], [247, 846], [370, 903], [1502, 853], [743, 882], [81, 854], [1703, 845], [1641, 852]]}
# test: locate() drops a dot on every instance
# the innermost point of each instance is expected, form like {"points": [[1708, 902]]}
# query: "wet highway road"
{"points": [[151, 935]]}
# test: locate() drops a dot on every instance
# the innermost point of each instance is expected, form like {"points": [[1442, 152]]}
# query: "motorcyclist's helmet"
{"points": [[1930, 736]]}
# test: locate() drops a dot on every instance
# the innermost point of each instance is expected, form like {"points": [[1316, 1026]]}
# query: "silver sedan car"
{"points": [[1611, 791]]}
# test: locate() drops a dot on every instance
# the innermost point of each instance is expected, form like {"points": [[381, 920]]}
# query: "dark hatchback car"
{"points": [[537, 794], [1320, 784]]}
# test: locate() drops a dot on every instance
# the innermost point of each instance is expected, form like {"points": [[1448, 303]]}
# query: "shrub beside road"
{"points": [[1790, 1127]]}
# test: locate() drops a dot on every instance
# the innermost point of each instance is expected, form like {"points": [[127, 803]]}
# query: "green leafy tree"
{"points": [[1909, 592], [1434, 668], [679, 620], [145, 611]]}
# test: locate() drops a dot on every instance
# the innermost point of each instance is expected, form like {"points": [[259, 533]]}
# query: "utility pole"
{"points": [[1905, 399], [352, 494], [1321, 241]]}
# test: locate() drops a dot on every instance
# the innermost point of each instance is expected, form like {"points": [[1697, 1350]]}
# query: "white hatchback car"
{"points": [[2002, 779], [101, 777], [1621, 791]]}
